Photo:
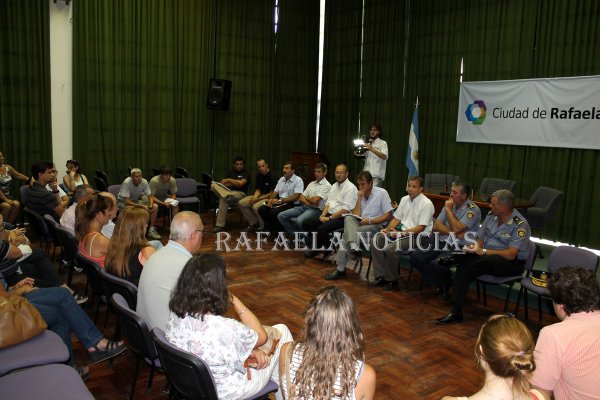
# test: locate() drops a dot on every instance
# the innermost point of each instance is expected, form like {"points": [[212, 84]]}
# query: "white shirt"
{"points": [[320, 189], [412, 213], [342, 196], [132, 192], [374, 164], [67, 220]]}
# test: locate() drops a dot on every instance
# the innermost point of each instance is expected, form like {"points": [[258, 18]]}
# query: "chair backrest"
{"points": [[531, 257], [186, 187], [182, 172], [38, 224], [50, 222], [67, 242], [568, 256], [206, 179], [490, 185], [439, 181], [136, 330], [102, 175], [188, 374], [155, 171], [23, 194], [99, 184], [114, 284], [547, 202], [114, 189], [92, 270]]}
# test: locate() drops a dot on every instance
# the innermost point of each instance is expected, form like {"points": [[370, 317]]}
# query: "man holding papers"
{"points": [[413, 216], [373, 208]]}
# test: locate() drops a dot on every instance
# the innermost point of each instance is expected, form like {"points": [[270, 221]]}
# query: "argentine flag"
{"points": [[412, 153]]}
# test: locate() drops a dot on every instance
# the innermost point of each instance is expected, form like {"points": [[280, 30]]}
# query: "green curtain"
{"points": [[25, 117], [340, 101], [140, 76]]}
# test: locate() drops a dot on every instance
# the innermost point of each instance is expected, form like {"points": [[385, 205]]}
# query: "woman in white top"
{"points": [[504, 350], [74, 177], [198, 325], [329, 362]]}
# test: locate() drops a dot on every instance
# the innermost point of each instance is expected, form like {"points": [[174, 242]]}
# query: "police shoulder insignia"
{"points": [[470, 214], [471, 205], [521, 233], [518, 220]]}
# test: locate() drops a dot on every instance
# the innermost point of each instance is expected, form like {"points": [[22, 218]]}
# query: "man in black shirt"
{"points": [[40, 199], [230, 190], [265, 185]]}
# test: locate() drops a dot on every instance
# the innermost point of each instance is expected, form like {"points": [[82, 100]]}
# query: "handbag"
{"points": [[273, 338], [19, 321]]}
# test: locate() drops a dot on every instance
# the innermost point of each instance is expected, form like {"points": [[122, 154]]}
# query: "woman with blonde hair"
{"points": [[129, 250], [90, 217], [329, 362], [504, 350]]}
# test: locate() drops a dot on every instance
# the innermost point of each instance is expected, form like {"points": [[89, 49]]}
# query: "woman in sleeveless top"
{"points": [[129, 250], [74, 177], [329, 362], [504, 350], [8, 205], [90, 217]]}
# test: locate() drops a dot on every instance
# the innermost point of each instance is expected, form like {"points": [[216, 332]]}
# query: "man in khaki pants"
{"points": [[230, 190], [249, 205]]}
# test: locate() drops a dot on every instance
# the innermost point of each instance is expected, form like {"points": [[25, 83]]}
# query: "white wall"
{"points": [[61, 78]]}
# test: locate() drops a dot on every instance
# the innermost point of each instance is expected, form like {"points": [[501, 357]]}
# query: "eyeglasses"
{"points": [[203, 230]]}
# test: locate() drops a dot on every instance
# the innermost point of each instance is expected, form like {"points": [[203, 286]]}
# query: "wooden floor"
{"points": [[413, 357]]}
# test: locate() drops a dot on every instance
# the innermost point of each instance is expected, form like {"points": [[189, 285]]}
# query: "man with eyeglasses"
{"points": [[45, 200], [376, 154], [501, 249], [162, 270]]}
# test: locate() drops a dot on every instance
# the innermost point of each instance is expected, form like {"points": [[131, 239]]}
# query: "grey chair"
{"points": [[45, 348], [115, 189], [52, 381], [187, 193], [507, 280], [188, 374], [546, 203], [562, 256], [139, 340], [439, 181], [490, 185]]}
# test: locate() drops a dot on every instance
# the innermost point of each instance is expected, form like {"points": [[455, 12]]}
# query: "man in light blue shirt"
{"points": [[285, 196]]}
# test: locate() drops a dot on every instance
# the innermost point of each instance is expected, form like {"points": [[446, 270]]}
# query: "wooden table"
{"points": [[438, 197]]}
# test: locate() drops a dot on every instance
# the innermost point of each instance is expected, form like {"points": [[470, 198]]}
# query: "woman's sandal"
{"points": [[111, 350]]}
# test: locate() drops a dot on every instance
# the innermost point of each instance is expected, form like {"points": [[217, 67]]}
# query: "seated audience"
{"points": [[129, 250], [375, 208], [504, 350], [162, 270], [566, 353], [109, 227], [501, 249], [41, 199], [284, 197], [312, 201], [230, 190], [197, 324], [9, 207], [163, 187], [459, 216], [135, 192], [249, 205], [329, 361], [91, 217], [341, 199], [63, 316], [412, 217], [74, 177], [81, 194]]}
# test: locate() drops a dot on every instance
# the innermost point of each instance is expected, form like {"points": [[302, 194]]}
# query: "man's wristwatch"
{"points": [[484, 251]]}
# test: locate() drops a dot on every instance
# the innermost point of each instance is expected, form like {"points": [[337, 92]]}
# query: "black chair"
{"points": [[181, 172], [41, 230], [507, 280], [113, 284], [546, 203], [102, 175], [439, 181], [68, 243], [188, 374], [155, 171], [139, 340], [100, 184], [561, 256], [490, 185], [92, 271]]}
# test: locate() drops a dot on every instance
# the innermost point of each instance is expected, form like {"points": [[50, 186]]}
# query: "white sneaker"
{"points": [[152, 234]]}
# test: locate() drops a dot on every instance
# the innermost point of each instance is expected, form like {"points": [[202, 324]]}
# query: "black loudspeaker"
{"points": [[219, 92]]}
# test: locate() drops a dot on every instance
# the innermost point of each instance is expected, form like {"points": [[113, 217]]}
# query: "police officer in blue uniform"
{"points": [[501, 249]]}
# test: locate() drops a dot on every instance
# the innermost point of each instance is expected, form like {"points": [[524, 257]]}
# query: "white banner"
{"points": [[551, 112]]}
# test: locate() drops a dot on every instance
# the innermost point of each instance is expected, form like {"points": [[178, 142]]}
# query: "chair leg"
{"points": [[540, 307], [369, 269], [485, 294], [478, 295], [151, 378], [507, 297], [518, 300], [525, 302], [135, 375], [410, 271]]}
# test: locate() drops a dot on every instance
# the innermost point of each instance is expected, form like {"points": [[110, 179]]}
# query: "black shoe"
{"points": [[451, 318], [379, 281], [335, 275], [251, 228], [218, 229], [310, 253], [391, 285]]}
